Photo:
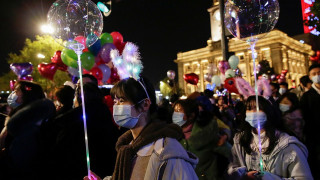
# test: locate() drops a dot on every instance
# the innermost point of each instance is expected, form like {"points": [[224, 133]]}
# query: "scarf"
{"points": [[127, 151]]}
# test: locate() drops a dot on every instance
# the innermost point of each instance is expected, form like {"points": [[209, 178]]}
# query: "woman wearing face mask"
{"points": [[150, 148], [22, 128], [283, 156], [291, 113], [201, 136]]}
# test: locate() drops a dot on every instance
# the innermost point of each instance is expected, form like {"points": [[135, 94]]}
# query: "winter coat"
{"points": [[310, 106], [294, 121], [169, 160], [203, 143], [288, 160], [25, 147], [67, 157]]}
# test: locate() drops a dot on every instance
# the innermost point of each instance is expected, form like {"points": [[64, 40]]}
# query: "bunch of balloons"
{"points": [[95, 60], [282, 77]]}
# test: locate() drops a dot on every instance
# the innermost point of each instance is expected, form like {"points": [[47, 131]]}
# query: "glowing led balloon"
{"points": [[249, 18], [73, 18]]}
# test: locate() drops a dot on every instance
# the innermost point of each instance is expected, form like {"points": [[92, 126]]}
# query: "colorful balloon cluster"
{"points": [[95, 59], [282, 77]]}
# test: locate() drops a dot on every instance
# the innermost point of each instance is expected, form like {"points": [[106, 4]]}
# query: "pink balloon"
{"points": [[223, 66], [12, 83]]}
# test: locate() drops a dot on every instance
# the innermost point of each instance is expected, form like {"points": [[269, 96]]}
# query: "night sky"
{"points": [[160, 28]]}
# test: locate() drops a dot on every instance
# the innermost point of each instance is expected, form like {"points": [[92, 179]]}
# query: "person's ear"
{"points": [[146, 105]]}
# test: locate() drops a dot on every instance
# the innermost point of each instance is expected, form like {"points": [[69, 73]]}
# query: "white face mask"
{"points": [[253, 117], [316, 79], [284, 107], [177, 118], [12, 98], [282, 90], [122, 116]]}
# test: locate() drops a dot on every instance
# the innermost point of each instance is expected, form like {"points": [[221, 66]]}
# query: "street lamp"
{"points": [[45, 28], [41, 56]]}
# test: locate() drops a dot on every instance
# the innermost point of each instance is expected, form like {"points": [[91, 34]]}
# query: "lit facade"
{"points": [[282, 52]]}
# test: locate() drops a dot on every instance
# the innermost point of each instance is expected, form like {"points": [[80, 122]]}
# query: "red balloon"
{"points": [[97, 73], [230, 85], [47, 70], [56, 58], [117, 38], [81, 40], [121, 46], [114, 77], [284, 71], [12, 83], [191, 78]]}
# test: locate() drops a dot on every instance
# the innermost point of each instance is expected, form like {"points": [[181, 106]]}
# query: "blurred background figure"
{"points": [[67, 138], [202, 136], [21, 135], [291, 114], [64, 99]]}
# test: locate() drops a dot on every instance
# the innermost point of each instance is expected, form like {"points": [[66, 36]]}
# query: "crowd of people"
{"points": [[132, 137]]}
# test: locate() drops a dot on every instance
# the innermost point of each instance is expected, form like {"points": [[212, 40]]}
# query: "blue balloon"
{"points": [[95, 48]]}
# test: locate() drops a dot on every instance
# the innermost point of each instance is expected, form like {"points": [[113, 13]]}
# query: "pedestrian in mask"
{"points": [[150, 148], [283, 156]]}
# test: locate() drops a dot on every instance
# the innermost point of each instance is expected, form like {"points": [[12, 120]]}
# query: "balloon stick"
{"points": [[78, 47], [252, 43]]}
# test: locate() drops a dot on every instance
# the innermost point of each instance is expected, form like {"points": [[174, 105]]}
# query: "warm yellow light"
{"points": [[41, 56], [47, 29]]}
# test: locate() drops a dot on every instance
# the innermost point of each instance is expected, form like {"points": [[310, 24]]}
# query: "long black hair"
{"points": [[133, 91], [273, 123]]}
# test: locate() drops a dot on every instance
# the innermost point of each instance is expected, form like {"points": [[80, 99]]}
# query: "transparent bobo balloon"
{"points": [[249, 18], [75, 21]]}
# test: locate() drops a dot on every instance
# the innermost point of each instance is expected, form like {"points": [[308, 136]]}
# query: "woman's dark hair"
{"points": [[305, 80], [30, 92], [133, 91], [273, 123], [65, 95], [190, 107], [92, 94], [292, 97]]}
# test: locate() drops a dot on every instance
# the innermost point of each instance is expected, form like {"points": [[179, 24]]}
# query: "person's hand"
{"points": [[222, 140], [250, 175], [93, 176]]}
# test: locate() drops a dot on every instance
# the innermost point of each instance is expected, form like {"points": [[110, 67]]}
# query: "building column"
{"points": [[180, 76], [276, 57]]}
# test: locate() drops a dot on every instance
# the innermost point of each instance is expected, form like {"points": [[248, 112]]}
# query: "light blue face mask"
{"points": [[284, 107], [316, 79], [122, 116], [253, 117], [177, 118], [282, 90], [12, 98]]}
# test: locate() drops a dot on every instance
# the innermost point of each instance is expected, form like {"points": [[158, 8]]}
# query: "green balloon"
{"points": [[69, 58], [87, 60], [106, 38]]}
